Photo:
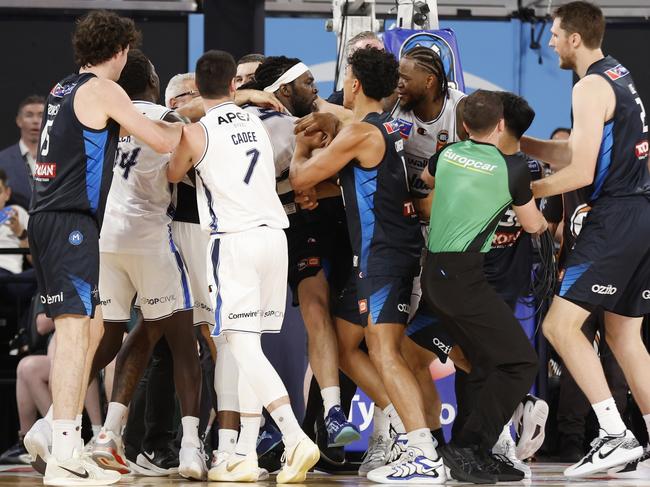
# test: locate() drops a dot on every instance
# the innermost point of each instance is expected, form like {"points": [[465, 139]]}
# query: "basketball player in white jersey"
{"points": [[138, 260], [233, 160]]}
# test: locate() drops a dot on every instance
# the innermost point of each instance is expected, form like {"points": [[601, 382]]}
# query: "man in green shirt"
{"points": [[474, 186]]}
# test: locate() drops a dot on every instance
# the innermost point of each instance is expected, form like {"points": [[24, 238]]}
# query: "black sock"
{"points": [[439, 436]]}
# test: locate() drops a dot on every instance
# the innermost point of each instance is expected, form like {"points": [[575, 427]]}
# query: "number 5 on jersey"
{"points": [[253, 154]]}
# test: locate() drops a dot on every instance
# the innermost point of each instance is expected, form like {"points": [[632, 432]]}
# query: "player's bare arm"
{"points": [[325, 122], [460, 128], [360, 141], [187, 153], [531, 219], [427, 178], [593, 105]]}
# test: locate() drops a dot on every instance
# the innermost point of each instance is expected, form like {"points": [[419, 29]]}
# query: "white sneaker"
{"points": [[397, 448], [191, 463], [297, 461], [413, 468], [108, 452], [376, 454], [505, 446], [262, 474], [38, 443], [636, 469], [237, 468], [607, 452], [78, 470], [530, 422], [218, 457]]}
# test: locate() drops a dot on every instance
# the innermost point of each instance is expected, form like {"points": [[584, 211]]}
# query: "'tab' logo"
{"points": [[76, 238]]}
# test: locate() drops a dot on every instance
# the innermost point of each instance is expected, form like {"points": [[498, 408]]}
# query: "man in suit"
{"points": [[18, 160]]}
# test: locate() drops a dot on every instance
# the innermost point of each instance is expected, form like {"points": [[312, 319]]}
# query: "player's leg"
{"points": [[226, 380]]}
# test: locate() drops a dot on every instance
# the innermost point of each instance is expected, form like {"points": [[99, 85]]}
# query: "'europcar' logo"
{"points": [[437, 44]]}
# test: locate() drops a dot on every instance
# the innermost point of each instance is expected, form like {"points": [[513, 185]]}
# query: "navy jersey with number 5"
{"points": [[622, 166], [74, 164], [384, 227]]}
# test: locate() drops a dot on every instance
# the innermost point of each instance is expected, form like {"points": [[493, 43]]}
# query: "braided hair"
{"points": [[269, 71], [428, 60]]}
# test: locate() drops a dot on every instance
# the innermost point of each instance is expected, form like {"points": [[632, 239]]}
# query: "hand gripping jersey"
{"points": [[622, 166], [74, 163], [423, 139], [235, 178], [384, 228], [138, 205]]}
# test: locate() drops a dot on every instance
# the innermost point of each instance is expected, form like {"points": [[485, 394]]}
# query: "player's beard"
{"points": [[568, 62], [410, 103]]}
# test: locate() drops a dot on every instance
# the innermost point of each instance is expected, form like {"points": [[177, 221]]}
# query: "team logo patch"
{"points": [[641, 149], [404, 128], [60, 90], [76, 238], [44, 171], [442, 139], [363, 306], [617, 72], [391, 126]]}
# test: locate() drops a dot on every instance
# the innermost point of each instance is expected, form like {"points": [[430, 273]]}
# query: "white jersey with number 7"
{"points": [[235, 178]]}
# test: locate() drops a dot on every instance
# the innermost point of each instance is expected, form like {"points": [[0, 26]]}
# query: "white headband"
{"points": [[287, 77]]}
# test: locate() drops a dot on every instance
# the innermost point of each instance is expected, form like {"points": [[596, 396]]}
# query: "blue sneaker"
{"points": [[269, 438], [340, 431]]}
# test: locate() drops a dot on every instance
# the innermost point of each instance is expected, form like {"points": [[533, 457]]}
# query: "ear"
{"points": [[232, 87], [501, 126], [285, 90], [575, 39], [466, 128], [356, 86]]}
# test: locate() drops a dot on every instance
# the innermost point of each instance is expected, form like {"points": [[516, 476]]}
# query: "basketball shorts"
{"points": [[193, 243], [65, 255], [610, 263], [425, 327], [158, 284], [247, 275], [319, 243], [380, 299]]}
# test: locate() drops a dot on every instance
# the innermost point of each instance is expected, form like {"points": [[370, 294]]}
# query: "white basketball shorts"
{"points": [[248, 280], [158, 282], [193, 243]]}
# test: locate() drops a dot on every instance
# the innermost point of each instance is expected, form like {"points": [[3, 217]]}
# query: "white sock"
{"points": [[422, 439], [49, 416], [331, 397], [115, 417], [288, 424], [395, 420], [250, 429], [96, 429], [608, 417], [190, 432], [646, 418], [66, 436], [381, 424], [227, 440]]}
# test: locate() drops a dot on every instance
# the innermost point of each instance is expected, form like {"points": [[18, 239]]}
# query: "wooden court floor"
{"points": [[544, 474]]}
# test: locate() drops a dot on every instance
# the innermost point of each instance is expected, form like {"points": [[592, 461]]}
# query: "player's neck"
{"points": [[587, 58], [213, 102], [428, 110], [363, 106], [103, 70], [509, 146]]}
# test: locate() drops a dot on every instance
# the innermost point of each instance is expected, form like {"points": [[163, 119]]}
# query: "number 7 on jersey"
{"points": [[253, 154]]}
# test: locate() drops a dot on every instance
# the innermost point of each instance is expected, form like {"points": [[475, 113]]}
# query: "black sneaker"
{"points": [[16, 455], [272, 459], [465, 466], [153, 463], [501, 467], [330, 454]]}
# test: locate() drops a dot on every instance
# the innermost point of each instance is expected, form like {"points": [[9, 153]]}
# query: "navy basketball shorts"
{"points": [[610, 263], [426, 329], [315, 246], [65, 255], [376, 299]]}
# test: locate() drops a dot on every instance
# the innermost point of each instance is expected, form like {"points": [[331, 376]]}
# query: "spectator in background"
{"points": [[180, 90], [13, 235], [18, 160], [246, 67]]}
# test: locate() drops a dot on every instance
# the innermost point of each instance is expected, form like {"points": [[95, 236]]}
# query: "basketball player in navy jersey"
{"points": [[85, 113], [609, 266], [385, 234]]}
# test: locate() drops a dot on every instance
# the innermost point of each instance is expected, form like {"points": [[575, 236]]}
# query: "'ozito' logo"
{"points": [[76, 238]]}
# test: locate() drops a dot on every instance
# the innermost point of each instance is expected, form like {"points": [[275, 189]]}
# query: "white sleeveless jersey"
{"points": [[280, 129], [423, 139], [235, 178], [136, 219]]}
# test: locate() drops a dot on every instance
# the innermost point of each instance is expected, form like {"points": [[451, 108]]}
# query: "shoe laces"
{"points": [[376, 450]]}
